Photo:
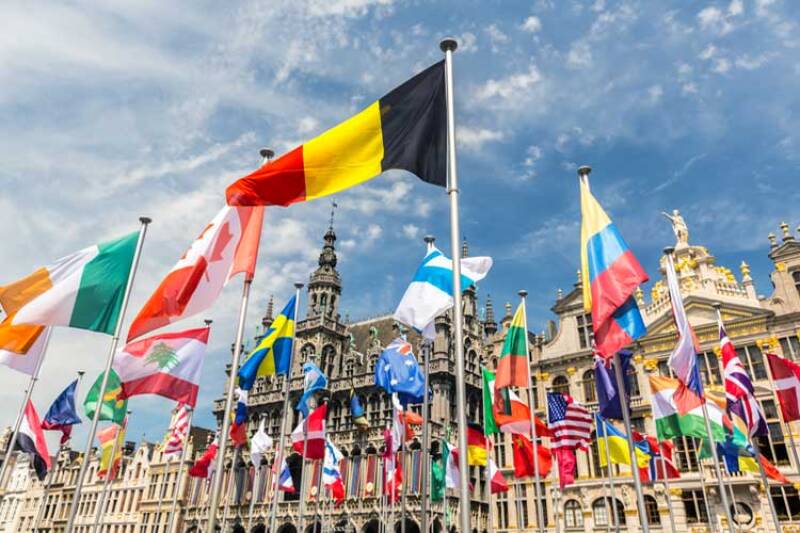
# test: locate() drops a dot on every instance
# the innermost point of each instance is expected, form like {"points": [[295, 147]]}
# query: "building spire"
{"points": [[489, 325], [267, 319], [464, 248]]}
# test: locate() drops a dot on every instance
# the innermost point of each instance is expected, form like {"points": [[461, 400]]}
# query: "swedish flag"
{"points": [[273, 353]]}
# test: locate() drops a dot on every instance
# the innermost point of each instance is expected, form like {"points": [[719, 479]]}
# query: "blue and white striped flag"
{"points": [[431, 291], [313, 380]]}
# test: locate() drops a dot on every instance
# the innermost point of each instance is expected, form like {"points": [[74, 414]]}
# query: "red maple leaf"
{"points": [[223, 239]]}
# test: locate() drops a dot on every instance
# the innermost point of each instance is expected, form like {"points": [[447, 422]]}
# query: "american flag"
{"points": [[178, 432], [739, 390], [570, 422]]}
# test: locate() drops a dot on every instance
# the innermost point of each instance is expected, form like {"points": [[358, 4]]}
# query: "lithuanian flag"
{"points": [[512, 366], [406, 129]]}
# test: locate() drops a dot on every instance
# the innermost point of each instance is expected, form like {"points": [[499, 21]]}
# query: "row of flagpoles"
{"points": [[91, 289]]}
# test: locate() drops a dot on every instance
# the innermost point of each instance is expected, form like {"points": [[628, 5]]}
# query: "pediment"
{"points": [[701, 313], [572, 299]]}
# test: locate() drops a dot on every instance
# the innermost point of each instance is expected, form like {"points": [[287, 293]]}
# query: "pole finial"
{"points": [[668, 250], [334, 205], [145, 220], [429, 239], [208, 322], [81, 373], [448, 44], [266, 153], [716, 305], [584, 170], [523, 293], [298, 285]]}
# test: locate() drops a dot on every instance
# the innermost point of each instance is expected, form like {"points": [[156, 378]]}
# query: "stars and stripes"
{"points": [[570, 422], [739, 390]]}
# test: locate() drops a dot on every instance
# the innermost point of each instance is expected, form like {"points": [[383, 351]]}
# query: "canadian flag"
{"points": [[786, 379], [226, 247]]}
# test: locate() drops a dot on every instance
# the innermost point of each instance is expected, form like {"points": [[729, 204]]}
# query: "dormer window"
{"points": [[585, 332]]}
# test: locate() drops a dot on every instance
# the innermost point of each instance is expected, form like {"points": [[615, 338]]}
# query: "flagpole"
{"points": [[405, 477], [712, 521], [231, 488], [109, 472], [613, 499], [73, 510], [171, 523], [15, 434], [254, 487], [557, 497], [448, 46], [786, 425], [163, 488], [426, 432], [303, 477], [282, 436], [540, 525], [666, 485], [490, 514], [765, 481]]}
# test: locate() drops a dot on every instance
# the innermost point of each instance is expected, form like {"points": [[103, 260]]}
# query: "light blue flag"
{"points": [[313, 380]]}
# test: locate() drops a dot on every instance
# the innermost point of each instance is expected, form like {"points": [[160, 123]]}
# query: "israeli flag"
{"points": [[431, 291], [313, 380]]}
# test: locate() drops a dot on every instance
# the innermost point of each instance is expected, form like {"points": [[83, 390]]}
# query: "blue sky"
{"points": [[146, 108]]}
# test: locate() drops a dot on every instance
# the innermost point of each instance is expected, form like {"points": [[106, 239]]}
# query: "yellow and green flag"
{"points": [[107, 437], [512, 366], [111, 407]]}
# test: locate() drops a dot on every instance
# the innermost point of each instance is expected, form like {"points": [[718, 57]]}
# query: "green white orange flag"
{"points": [[83, 290], [512, 366]]}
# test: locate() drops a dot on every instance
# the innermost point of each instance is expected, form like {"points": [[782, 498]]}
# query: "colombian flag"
{"points": [[406, 129], [273, 354], [610, 275]]}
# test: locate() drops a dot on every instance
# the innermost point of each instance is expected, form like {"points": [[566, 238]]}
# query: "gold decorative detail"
{"points": [[780, 266], [675, 491], [785, 230], [651, 365], [718, 352], [571, 371], [639, 294], [796, 486], [638, 358], [544, 376], [769, 344], [759, 520], [744, 268]]}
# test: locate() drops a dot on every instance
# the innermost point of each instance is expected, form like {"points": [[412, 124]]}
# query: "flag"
{"points": [[110, 465], [430, 292], [392, 470], [649, 445], [452, 473], [524, 465], [741, 459], [260, 444], [398, 372], [112, 407], [331, 474], [610, 274], [786, 380], [567, 463], [496, 402], [26, 360], [238, 431], [313, 380], [82, 290], [62, 414], [438, 474], [273, 353], [476, 445], [204, 466], [227, 245], [410, 419], [497, 481], [406, 129], [617, 443], [772, 471], [512, 365], [315, 444], [176, 437], [17, 339], [739, 390], [285, 481], [609, 399], [665, 455], [167, 365], [683, 359], [570, 423], [357, 411], [30, 440]]}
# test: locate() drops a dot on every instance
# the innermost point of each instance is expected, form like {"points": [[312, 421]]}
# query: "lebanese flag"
{"points": [[30, 440], [315, 444], [203, 467], [226, 247], [497, 481], [786, 378], [168, 365]]}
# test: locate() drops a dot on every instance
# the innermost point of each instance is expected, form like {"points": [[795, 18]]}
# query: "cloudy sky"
{"points": [[115, 110]]}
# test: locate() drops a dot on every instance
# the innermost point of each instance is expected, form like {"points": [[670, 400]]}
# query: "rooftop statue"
{"points": [[679, 227]]}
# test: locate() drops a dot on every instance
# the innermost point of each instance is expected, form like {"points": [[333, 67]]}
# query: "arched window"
{"points": [[587, 383], [573, 514], [603, 514], [651, 508], [561, 384], [327, 360]]}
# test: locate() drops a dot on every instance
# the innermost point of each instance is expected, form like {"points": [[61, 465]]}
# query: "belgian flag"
{"points": [[406, 129]]}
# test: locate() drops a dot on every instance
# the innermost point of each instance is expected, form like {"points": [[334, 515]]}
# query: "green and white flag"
{"points": [[82, 290], [437, 474]]}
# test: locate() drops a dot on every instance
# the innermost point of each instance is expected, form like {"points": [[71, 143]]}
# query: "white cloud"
{"points": [[746, 62], [712, 18], [721, 65], [736, 7], [474, 138], [509, 87], [467, 43], [532, 24], [307, 125], [532, 155], [654, 93], [496, 36], [579, 55], [350, 8], [411, 231]]}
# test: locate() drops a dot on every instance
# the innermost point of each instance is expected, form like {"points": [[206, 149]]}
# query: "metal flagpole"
{"points": [[556, 491], [626, 417], [517, 504], [612, 502], [163, 490], [303, 478], [110, 472], [786, 425], [712, 522], [490, 514], [254, 486], [448, 46], [426, 432], [319, 510], [765, 481], [404, 484], [231, 486], [282, 436], [13, 441], [540, 525], [666, 485], [73, 510], [171, 522]]}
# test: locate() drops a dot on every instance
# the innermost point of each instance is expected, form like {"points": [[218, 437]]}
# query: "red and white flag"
{"points": [[315, 431], [30, 440], [168, 365], [497, 481], [178, 432], [786, 379], [226, 247], [204, 467]]}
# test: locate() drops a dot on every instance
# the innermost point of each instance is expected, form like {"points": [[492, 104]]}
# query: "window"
{"points": [[791, 346], [587, 384], [633, 378], [601, 508], [774, 446], [753, 360], [664, 369], [787, 502], [585, 333], [535, 389], [708, 365], [685, 454], [594, 458], [573, 514], [561, 384], [796, 279], [695, 506], [651, 508], [502, 510], [521, 505]]}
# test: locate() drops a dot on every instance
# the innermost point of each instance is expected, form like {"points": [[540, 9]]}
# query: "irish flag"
{"points": [[83, 290], [512, 366], [168, 365], [671, 424]]}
